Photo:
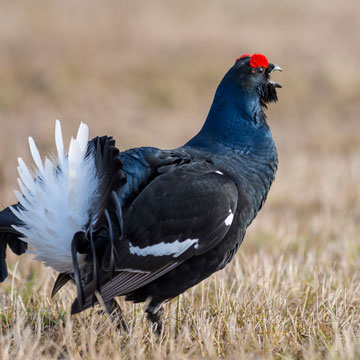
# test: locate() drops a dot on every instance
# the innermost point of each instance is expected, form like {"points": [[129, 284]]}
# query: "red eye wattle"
{"points": [[258, 60]]}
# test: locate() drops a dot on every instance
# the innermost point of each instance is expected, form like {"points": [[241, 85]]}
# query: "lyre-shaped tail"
{"points": [[56, 201]]}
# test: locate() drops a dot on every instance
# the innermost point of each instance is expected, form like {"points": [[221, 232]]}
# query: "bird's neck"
{"points": [[235, 122]]}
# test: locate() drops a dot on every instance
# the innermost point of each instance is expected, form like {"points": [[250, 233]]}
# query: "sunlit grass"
{"points": [[262, 305]]}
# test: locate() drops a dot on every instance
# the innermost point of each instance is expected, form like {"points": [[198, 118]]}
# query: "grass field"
{"points": [[146, 73]]}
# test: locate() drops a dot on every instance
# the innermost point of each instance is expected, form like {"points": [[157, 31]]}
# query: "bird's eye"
{"points": [[260, 70]]}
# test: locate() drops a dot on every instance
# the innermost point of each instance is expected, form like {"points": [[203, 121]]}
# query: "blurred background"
{"points": [[146, 72]]}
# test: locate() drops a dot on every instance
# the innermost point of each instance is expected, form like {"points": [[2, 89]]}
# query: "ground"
{"points": [[146, 74]]}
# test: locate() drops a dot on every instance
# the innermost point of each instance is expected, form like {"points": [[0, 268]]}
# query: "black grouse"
{"points": [[149, 223]]}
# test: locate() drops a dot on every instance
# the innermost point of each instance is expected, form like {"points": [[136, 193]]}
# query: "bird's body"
{"points": [[161, 221]]}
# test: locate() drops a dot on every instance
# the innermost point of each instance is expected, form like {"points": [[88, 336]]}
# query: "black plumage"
{"points": [[167, 219]]}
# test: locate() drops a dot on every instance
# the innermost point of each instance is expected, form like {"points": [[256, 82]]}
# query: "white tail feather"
{"points": [[25, 175], [59, 142], [36, 155], [57, 202], [82, 136]]}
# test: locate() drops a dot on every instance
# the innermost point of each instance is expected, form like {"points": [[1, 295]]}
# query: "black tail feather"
{"points": [[3, 267], [110, 172], [9, 236], [111, 239], [118, 211], [60, 281], [101, 232], [96, 280], [77, 242]]}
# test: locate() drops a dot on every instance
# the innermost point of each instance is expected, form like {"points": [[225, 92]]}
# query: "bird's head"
{"points": [[252, 74], [237, 115]]}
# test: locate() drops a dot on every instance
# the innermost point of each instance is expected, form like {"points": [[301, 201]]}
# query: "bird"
{"points": [[147, 223]]}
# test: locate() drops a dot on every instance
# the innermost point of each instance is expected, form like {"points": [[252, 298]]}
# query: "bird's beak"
{"points": [[274, 67]]}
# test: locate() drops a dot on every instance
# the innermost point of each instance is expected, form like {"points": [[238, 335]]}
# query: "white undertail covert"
{"points": [[56, 200]]}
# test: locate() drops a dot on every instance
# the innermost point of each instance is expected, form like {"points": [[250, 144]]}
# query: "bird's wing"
{"points": [[191, 203], [183, 212]]}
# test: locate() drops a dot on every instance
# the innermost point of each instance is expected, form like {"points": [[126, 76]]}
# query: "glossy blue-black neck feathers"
{"points": [[236, 120]]}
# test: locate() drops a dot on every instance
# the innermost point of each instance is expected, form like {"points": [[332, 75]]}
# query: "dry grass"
{"points": [[146, 73]]}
